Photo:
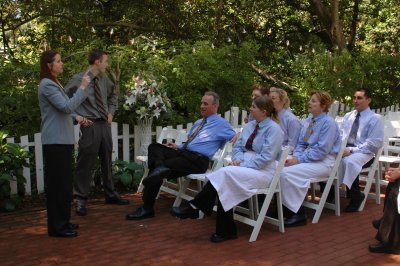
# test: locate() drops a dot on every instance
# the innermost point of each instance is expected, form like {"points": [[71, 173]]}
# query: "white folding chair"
{"points": [[170, 135], [332, 179], [261, 216], [188, 194], [371, 175]]}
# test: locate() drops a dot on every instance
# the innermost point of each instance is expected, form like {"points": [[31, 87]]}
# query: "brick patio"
{"points": [[106, 238]]}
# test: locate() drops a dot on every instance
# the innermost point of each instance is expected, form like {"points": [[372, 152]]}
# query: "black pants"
{"points": [[58, 178], [389, 229], [95, 141], [354, 192], [180, 162], [205, 201]]}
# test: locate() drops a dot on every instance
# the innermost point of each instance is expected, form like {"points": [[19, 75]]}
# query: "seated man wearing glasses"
{"points": [[363, 130], [207, 135]]}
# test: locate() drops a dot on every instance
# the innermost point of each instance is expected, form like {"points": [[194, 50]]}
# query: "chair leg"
{"points": [[261, 217], [280, 212], [182, 190], [140, 187]]}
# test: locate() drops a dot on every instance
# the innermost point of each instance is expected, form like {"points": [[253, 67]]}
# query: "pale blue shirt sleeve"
{"points": [[370, 132], [267, 144], [324, 140], [291, 127]]}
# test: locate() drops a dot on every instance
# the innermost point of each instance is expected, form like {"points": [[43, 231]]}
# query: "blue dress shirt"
{"points": [[370, 132], [267, 144], [211, 137], [324, 139], [291, 127]]}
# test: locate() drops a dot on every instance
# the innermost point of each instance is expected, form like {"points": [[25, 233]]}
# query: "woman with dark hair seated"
{"points": [[253, 166], [314, 156], [389, 225]]}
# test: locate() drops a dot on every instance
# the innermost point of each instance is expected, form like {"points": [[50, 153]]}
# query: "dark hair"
{"points": [[367, 92], [324, 98], [264, 90], [214, 95], [264, 102], [47, 57], [95, 54]]}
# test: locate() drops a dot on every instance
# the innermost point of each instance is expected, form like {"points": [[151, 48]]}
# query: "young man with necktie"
{"points": [[207, 135], [98, 110], [364, 132]]}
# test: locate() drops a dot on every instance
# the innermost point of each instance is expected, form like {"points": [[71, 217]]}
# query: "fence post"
{"points": [[234, 116], [114, 136], [125, 143], [136, 142], [26, 171], [39, 162]]}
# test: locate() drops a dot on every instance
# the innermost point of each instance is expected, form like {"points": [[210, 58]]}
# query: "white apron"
{"points": [[350, 167], [295, 180], [235, 184]]}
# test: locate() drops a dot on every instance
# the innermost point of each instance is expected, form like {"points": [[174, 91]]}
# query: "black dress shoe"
{"points": [[355, 204], [64, 233], [376, 223], [219, 238], [185, 212], [140, 213], [381, 248], [72, 226], [296, 220], [81, 210], [117, 201], [156, 176]]}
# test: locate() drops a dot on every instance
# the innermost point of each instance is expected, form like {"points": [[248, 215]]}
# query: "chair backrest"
{"points": [[281, 163], [218, 158], [172, 135]]}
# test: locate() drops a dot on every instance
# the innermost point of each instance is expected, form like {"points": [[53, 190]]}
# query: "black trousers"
{"points": [[95, 141], [205, 201], [181, 162], [354, 192], [58, 178], [389, 229]]}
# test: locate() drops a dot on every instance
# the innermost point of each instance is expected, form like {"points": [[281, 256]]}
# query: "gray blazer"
{"points": [[55, 109]]}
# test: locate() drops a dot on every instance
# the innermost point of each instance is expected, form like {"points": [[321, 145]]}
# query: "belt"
{"points": [[94, 120]]}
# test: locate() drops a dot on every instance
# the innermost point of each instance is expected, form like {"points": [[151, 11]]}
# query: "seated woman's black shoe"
{"points": [[64, 233], [296, 220], [185, 212], [381, 248], [218, 238]]}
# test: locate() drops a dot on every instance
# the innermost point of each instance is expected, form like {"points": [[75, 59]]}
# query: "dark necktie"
{"points": [[249, 142], [99, 99], [309, 130], [203, 122], [353, 131]]}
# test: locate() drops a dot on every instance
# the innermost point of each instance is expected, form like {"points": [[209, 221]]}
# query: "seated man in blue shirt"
{"points": [[364, 131], [171, 161]]}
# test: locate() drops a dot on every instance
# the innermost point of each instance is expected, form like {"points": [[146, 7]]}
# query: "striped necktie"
{"points": [[353, 131], [203, 122], [99, 99], [309, 130], [249, 142]]}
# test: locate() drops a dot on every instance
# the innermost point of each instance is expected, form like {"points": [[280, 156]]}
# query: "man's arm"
{"points": [[374, 138]]}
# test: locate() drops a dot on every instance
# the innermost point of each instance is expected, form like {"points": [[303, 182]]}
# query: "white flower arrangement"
{"points": [[146, 98]]}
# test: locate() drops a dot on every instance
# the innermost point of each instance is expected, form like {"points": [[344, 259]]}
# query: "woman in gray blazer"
{"points": [[58, 142]]}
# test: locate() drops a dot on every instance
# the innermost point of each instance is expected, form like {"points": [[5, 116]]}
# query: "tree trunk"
{"points": [[353, 28]]}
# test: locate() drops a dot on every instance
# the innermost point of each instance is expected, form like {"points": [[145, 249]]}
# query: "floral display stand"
{"points": [[145, 134]]}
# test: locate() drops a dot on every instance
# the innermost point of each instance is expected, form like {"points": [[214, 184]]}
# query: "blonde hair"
{"points": [[282, 96], [324, 98], [265, 103]]}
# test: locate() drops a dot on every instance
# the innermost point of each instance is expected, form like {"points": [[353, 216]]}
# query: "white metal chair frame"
{"points": [[332, 179], [261, 216], [170, 135]]}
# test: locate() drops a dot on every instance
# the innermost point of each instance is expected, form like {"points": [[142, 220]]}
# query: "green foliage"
{"points": [[12, 158], [127, 175]]}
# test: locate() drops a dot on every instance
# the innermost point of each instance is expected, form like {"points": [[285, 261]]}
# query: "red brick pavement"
{"points": [[106, 238]]}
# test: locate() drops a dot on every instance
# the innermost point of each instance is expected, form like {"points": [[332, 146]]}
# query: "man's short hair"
{"points": [[214, 95], [367, 92], [95, 54]]}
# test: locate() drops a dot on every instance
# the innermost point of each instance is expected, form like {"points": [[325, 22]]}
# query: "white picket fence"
{"points": [[122, 137]]}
